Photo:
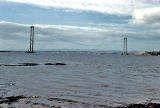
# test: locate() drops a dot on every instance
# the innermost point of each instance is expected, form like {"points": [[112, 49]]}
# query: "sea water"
{"points": [[91, 78]]}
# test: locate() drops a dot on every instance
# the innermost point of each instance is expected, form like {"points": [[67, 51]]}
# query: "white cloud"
{"points": [[149, 17], [124, 7], [104, 6]]}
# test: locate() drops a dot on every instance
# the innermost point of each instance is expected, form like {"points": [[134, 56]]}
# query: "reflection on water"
{"points": [[88, 77]]}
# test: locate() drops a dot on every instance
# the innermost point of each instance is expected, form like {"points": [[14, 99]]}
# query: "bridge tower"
{"points": [[31, 50], [125, 47]]}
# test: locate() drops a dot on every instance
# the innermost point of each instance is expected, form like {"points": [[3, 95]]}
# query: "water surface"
{"points": [[89, 77]]}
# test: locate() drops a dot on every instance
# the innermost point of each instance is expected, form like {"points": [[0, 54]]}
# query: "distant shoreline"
{"points": [[5, 51]]}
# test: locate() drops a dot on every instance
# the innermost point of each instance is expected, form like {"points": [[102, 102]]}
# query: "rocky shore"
{"points": [[32, 64], [149, 105], [25, 102], [153, 53]]}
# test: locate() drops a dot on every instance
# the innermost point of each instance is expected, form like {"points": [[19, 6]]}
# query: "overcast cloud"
{"points": [[58, 36], [104, 6], [61, 37], [80, 24]]}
